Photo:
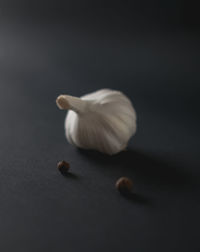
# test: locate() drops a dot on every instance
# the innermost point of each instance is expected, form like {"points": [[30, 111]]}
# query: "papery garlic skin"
{"points": [[104, 120]]}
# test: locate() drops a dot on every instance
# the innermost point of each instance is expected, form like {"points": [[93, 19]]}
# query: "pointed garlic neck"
{"points": [[70, 102]]}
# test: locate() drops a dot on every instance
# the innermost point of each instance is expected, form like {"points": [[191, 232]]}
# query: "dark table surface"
{"points": [[158, 68]]}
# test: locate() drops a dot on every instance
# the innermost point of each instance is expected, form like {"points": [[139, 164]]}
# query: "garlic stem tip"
{"points": [[62, 102]]}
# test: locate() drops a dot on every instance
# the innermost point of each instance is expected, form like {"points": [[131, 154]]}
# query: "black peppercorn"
{"points": [[124, 185], [63, 167]]}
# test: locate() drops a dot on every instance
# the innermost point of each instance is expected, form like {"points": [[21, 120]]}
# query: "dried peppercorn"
{"points": [[63, 167], [124, 185]]}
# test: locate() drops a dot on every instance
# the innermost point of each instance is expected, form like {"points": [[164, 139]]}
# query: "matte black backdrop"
{"points": [[150, 51]]}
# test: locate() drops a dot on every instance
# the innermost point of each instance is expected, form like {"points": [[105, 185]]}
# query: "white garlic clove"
{"points": [[103, 120]]}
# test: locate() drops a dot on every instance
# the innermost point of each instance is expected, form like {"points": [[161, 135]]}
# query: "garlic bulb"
{"points": [[103, 120]]}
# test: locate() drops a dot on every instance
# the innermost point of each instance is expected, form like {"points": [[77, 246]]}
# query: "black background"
{"points": [[150, 51]]}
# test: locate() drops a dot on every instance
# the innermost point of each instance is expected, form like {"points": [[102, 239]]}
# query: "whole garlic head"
{"points": [[103, 120]]}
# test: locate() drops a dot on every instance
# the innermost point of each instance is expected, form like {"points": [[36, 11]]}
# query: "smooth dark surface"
{"points": [[155, 61]]}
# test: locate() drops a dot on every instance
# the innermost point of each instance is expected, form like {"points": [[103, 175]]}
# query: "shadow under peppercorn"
{"points": [[68, 174], [161, 172]]}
